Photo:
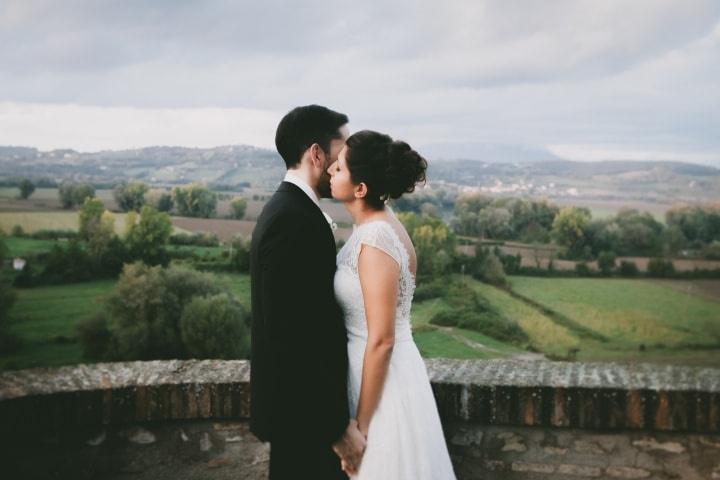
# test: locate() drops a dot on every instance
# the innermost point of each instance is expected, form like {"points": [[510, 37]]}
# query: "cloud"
{"points": [[638, 74], [87, 128]]}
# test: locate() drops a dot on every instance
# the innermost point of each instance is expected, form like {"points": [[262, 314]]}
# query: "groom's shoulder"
{"points": [[281, 203], [283, 210]]}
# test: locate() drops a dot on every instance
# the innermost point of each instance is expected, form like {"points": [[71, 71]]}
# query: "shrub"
{"points": [[45, 234], [130, 196], [658, 267], [72, 194], [240, 260], [144, 315], [94, 336], [146, 239], [606, 262], [194, 200], [215, 327], [470, 310], [429, 290], [582, 269], [628, 269], [200, 239], [238, 207]]}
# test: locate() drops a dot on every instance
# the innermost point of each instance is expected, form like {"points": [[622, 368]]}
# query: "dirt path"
{"points": [[482, 347]]}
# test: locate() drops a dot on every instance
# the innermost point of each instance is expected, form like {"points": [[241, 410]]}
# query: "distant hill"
{"points": [[232, 165], [538, 174]]}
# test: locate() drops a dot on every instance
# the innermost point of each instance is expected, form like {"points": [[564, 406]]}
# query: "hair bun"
{"points": [[405, 168]]}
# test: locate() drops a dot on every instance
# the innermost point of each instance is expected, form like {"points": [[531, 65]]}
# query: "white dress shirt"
{"points": [[291, 177]]}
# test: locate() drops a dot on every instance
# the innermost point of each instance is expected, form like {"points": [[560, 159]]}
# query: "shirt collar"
{"points": [[300, 183]]}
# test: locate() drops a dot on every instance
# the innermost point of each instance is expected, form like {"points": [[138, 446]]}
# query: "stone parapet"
{"points": [[602, 396], [503, 419]]}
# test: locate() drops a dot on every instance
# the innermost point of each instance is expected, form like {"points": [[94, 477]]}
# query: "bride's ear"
{"points": [[361, 190]]}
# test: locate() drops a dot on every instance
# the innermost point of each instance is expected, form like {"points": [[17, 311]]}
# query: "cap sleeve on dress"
{"points": [[380, 235]]}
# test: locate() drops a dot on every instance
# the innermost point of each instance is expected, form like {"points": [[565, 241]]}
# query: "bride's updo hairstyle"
{"points": [[387, 167]]}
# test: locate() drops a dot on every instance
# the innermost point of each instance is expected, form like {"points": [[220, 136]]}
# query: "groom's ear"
{"points": [[316, 154]]}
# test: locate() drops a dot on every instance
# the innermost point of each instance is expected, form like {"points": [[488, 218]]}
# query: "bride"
{"points": [[389, 391]]}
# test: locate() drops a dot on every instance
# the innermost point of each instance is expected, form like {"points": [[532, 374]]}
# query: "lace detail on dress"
{"points": [[405, 436], [379, 234]]}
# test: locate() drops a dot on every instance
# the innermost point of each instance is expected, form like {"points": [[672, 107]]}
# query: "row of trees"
{"points": [[519, 219], [98, 251], [689, 229], [192, 200]]}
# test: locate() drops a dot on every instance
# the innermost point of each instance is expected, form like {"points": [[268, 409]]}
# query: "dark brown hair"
{"points": [[387, 167]]}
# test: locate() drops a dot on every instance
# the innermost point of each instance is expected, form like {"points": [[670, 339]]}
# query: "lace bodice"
{"points": [[379, 234]]}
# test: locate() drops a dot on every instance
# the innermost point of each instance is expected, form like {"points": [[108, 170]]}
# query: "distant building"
{"points": [[19, 264]]}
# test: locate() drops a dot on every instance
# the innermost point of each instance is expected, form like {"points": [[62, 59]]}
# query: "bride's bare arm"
{"points": [[379, 275]]}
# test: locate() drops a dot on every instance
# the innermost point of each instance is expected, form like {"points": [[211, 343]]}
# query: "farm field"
{"points": [[581, 319], [45, 318], [56, 220], [618, 319]]}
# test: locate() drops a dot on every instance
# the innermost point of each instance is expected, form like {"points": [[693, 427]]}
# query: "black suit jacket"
{"points": [[299, 344]]}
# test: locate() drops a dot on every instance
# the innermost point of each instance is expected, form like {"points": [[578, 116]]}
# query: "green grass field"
{"points": [[55, 220], [673, 326], [20, 247], [641, 320], [45, 318]]}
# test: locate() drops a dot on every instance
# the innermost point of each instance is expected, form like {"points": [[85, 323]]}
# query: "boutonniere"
{"points": [[333, 225]]}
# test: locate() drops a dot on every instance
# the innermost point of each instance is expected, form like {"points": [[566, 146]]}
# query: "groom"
{"points": [[299, 359]]}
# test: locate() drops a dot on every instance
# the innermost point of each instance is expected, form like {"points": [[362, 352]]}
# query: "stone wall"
{"points": [[503, 420]]}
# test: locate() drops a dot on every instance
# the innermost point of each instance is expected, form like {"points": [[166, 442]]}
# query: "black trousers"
{"points": [[299, 459]]}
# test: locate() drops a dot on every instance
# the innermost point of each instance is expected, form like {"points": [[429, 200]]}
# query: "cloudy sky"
{"points": [[583, 79]]}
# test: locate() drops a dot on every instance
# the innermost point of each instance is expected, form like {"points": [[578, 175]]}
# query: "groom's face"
{"points": [[331, 157]]}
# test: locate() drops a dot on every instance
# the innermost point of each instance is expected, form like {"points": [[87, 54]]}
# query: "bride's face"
{"points": [[341, 186]]}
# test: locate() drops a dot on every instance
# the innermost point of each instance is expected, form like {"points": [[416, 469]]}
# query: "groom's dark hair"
{"points": [[303, 126]]}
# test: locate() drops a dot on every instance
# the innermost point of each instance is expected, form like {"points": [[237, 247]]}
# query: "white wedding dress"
{"points": [[405, 437]]}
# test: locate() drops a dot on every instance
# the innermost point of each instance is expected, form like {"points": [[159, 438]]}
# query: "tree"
{"points": [[569, 230], [143, 315], [26, 188], [215, 327], [65, 192], [194, 200], [72, 194], [240, 258], [97, 228], [488, 267], [164, 202], [467, 210], [606, 262], [238, 207], [434, 243], [130, 196], [102, 235], [638, 233], [147, 237], [495, 223], [659, 267], [89, 217]]}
